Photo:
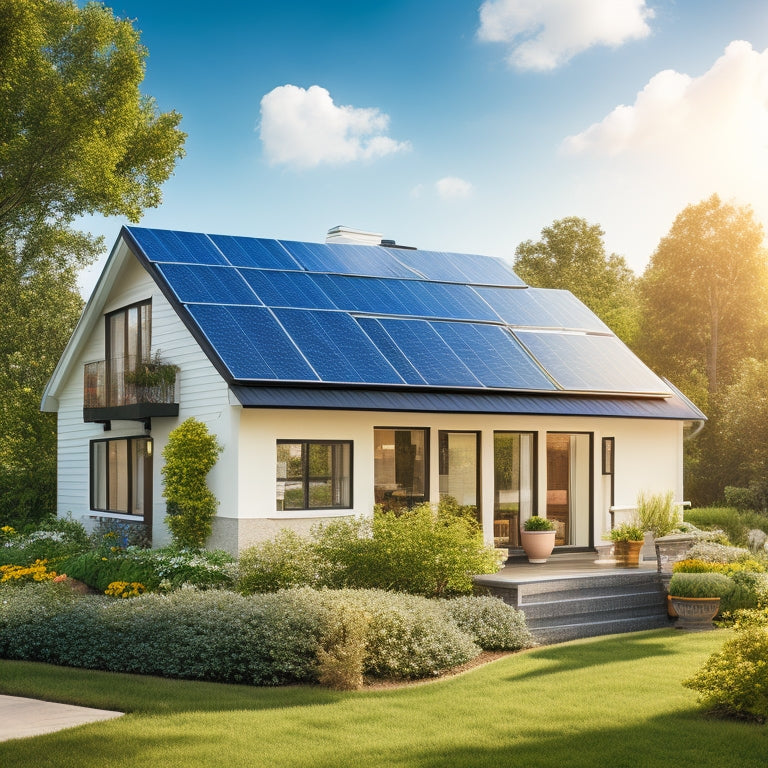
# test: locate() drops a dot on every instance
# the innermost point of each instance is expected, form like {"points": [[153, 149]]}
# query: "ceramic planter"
{"points": [[538, 545], [627, 553], [695, 613]]}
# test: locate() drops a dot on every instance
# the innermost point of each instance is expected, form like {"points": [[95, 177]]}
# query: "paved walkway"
{"points": [[29, 717]]}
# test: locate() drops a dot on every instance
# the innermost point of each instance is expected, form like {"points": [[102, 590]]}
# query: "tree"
{"points": [[705, 295], [571, 256], [76, 136]]}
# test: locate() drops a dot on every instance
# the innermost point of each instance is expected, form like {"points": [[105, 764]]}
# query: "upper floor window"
{"points": [[128, 343]]}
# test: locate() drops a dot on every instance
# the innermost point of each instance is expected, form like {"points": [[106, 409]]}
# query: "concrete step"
{"points": [[567, 608]]}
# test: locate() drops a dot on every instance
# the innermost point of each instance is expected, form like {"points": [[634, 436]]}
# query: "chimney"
{"points": [[342, 234]]}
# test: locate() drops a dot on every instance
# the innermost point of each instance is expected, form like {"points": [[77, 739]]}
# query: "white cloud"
{"points": [[545, 34], [683, 139], [304, 128], [453, 188]]}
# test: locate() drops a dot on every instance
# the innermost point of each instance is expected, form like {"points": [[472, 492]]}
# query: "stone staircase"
{"points": [[569, 607]]}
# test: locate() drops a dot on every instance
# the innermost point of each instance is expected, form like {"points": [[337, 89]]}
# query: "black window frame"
{"points": [[130, 475], [306, 478]]}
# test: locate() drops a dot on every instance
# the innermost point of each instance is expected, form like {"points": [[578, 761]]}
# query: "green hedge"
{"points": [[265, 639]]}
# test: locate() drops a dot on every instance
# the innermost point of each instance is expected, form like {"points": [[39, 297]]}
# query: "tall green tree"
{"points": [[77, 136], [571, 255], [705, 297]]}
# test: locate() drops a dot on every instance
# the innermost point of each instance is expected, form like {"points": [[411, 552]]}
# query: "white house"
{"points": [[337, 376]]}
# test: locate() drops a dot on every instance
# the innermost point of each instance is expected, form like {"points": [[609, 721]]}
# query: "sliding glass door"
{"points": [[514, 464], [569, 493]]}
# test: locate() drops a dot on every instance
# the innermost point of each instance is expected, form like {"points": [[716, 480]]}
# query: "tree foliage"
{"points": [[705, 295], [571, 256], [189, 456], [76, 136]]}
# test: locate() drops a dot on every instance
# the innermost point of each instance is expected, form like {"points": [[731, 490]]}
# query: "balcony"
{"points": [[122, 388]]}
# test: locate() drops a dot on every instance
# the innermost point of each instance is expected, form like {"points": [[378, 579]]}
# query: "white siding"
{"points": [[202, 393]]}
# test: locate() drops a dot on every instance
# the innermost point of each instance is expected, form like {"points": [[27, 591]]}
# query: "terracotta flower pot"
{"points": [[695, 613], [627, 553], [538, 545]]}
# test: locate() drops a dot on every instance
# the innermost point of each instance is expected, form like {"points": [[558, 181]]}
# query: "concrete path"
{"points": [[30, 717]]}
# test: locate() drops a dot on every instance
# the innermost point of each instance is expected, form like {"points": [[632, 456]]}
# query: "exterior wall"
{"points": [[648, 457], [202, 393]]}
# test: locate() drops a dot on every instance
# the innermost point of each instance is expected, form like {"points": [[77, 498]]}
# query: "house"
{"points": [[342, 375]]}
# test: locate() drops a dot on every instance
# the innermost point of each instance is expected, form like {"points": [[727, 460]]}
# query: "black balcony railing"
{"points": [[126, 388]]}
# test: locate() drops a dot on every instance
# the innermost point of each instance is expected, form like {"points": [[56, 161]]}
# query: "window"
{"points": [[121, 476], [129, 342], [314, 474], [459, 460], [400, 465], [514, 476]]}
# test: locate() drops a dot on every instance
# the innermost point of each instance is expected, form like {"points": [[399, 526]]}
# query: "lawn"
{"points": [[608, 702]]}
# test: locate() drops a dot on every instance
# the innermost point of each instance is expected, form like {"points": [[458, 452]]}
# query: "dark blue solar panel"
{"points": [[445, 300], [390, 350], [251, 343], [201, 284], [181, 247], [364, 294], [368, 260], [436, 363], [459, 267], [336, 347], [491, 353], [588, 363], [254, 252], [287, 289]]}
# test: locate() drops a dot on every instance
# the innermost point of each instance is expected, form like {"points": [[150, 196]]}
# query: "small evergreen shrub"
{"points": [[538, 523], [189, 456], [734, 681], [740, 498], [713, 552], [490, 622], [700, 585], [626, 532], [726, 519]]}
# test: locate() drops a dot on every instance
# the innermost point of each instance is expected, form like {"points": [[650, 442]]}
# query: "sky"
{"points": [[455, 125]]}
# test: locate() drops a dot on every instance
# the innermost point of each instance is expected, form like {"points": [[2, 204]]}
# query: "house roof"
{"points": [[307, 325], [270, 311]]}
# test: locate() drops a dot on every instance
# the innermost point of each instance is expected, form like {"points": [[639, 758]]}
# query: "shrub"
{"points": [[726, 519], [657, 513], [626, 532], [53, 540], [189, 456], [734, 681], [740, 498], [343, 649], [713, 552], [423, 551], [288, 560], [166, 568], [490, 622], [700, 585]]}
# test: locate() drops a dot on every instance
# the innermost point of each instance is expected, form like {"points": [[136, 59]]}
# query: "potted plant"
{"points": [[538, 538], [695, 598], [627, 541]]}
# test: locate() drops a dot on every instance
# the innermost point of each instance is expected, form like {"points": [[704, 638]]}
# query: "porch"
{"points": [[573, 596]]}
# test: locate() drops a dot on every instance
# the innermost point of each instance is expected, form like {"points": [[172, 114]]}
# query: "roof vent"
{"points": [[393, 244]]}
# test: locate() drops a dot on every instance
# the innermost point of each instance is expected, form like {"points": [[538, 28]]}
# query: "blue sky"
{"points": [[456, 125]]}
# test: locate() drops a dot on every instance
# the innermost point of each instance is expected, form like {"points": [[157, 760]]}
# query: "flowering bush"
{"points": [[54, 540], [125, 589], [38, 571]]}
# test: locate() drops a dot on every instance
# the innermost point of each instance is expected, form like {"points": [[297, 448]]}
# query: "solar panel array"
{"points": [[368, 315]]}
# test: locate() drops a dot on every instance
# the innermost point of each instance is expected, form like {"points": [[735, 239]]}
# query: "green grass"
{"points": [[615, 702]]}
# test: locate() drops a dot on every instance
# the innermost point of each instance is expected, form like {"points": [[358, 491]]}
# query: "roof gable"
{"points": [[269, 311]]}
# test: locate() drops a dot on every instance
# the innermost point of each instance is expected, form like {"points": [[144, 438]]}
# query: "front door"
{"points": [[569, 497]]}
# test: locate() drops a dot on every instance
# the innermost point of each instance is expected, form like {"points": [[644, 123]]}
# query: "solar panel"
{"points": [[581, 362], [434, 360], [255, 252], [459, 267], [287, 289], [368, 260], [390, 350], [251, 343], [336, 347], [493, 355], [210, 285], [182, 247]]}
